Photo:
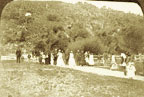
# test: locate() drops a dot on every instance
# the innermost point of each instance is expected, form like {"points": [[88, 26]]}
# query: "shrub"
{"points": [[139, 68], [94, 45]]}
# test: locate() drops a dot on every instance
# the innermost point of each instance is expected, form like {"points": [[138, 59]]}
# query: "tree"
{"points": [[132, 39], [59, 25]]}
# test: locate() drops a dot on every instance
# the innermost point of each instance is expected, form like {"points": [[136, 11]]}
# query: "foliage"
{"points": [[64, 26], [133, 38], [94, 45]]}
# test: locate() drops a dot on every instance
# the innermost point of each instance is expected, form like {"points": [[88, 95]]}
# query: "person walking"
{"points": [[18, 55]]}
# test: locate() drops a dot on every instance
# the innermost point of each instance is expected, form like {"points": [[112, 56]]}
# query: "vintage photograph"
{"points": [[71, 48]]}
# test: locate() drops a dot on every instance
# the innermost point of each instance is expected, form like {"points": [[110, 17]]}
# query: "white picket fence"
{"points": [[139, 58], [8, 58]]}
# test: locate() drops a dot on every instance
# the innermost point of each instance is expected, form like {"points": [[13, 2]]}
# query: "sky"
{"points": [[120, 6], [126, 7]]}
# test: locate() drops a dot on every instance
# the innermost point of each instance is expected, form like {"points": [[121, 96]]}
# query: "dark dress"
{"points": [[40, 59], [55, 58], [47, 59], [82, 59], [78, 57]]}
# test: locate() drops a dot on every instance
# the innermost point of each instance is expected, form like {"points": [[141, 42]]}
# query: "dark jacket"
{"points": [[18, 53]]}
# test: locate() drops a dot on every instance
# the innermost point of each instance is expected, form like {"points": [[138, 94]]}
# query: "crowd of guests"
{"points": [[80, 58], [59, 58]]}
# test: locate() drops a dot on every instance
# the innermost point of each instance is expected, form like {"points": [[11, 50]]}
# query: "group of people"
{"points": [[126, 63], [72, 58], [59, 58]]}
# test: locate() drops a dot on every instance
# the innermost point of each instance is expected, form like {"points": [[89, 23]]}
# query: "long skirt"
{"points": [[72, 62], [52, 61], [130, 73], [60, 62], [91, 61]]}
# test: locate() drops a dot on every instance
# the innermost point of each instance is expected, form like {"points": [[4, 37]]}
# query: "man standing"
{"points": [[123, 62], [18, 55], [55, 56], [78, 57]]}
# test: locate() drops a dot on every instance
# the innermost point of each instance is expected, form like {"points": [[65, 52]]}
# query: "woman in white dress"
{"points": [[123, 63], [113, 62], [87, 57], [71, 60], [130, 70], [60, 61], [91, 59], [52, 59], [43, 58]]}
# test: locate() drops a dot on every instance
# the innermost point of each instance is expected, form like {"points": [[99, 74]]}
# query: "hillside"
{"points": [[64, 25]]}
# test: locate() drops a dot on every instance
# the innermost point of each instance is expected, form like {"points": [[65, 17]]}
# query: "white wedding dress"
{"points": [[60, 61], [71, 60], [91, 59]]}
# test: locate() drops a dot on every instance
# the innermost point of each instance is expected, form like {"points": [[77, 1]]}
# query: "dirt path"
{"points": [[94, 70], [104, 72]]}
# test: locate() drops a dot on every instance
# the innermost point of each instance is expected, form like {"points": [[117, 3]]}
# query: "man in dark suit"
{"points": [[18, 55]]}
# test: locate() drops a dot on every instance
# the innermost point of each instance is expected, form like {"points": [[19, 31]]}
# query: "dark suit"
{"points": [[18, 55]]}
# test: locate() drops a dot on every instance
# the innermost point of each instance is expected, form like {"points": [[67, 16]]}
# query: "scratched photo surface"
{"points": [[71, 48]]}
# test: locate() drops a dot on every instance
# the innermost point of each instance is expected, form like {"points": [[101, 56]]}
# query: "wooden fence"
{"points": [[97, 58], [100, 58]]}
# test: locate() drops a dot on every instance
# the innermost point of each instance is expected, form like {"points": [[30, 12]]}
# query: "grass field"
{"points": [[35, 80]]}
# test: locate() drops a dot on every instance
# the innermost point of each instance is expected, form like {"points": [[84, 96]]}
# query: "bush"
{"points": [[94, 45], [139, 68]]}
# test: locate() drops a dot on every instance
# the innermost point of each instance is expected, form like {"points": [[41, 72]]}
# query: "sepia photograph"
{"points": [[71, 48]]}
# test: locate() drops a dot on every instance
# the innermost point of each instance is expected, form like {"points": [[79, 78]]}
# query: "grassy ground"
{"points": [[34, 80]]}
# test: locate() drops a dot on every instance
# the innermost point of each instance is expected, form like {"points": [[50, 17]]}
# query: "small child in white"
{"points": [[130, 70]]}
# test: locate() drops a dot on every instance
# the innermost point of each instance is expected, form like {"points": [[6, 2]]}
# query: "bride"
{"points": [[60, 61], [71, 60]]}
